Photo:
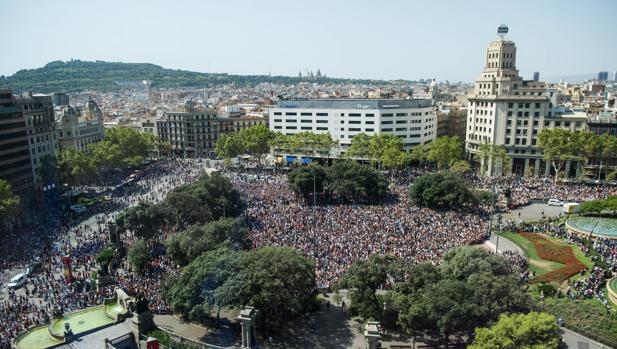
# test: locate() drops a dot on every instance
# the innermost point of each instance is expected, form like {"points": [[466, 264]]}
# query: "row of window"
{"points": [[304, 114]]}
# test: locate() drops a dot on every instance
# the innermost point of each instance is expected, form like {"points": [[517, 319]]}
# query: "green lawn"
{"points": [[587, 317], [536, 264]]}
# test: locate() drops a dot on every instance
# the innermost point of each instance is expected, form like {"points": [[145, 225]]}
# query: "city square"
{"points": [[146, 207]]}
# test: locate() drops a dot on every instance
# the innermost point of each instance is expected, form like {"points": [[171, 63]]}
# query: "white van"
{"points": [[555, 202], [17, 281], [569, 207]]}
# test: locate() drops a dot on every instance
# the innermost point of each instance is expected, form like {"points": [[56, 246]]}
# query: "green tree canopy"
{"points": [[278, 281], [48, 169], [301, 179], [9, 202], [363, 280], [76, 167], [441, 190], [186, 246], [558, 146], [215, 192], [192, 292], [497, 157], [351, 181], [229, 146], [382, 149], [139, 256], [443, 151], [470, 289], [144, 219], [519, 331], [186, 208]]}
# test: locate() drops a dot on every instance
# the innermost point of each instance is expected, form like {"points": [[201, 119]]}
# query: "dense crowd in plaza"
{"points": [[337, 235], [524, 190], [46, 291], [334, 235]]}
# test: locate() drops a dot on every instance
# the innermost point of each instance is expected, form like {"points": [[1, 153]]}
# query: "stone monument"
{"points": [[247, 320], [371, 334]]}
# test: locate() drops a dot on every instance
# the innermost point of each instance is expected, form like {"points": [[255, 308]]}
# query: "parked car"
{"points": [[555, 202], [17, 281]]}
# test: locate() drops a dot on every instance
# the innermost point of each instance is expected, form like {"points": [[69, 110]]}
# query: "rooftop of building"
{"points": [[355, 103]]}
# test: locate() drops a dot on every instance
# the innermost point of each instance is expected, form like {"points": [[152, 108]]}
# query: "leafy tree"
{"points": [[363, 280], [134, 146], [76, 167], [144, 219], [445, 150], [382, 149], [9, 202], [360, 147], [186, 246], [524, 331], [217, 193], [192, 293], [139, 256], [441, 190], [48, 168], [278, 281], [598, 206], [470, 289], [558, 146], [229, 146], [105, 154], [352, 181], [301, 179], [104, 258], [496, 156], [186, 208], [418, 153], [460, 167], [461, 263], [256, 140]]}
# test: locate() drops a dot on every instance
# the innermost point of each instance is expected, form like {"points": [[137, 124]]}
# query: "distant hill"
{"points": [[77, 76]]}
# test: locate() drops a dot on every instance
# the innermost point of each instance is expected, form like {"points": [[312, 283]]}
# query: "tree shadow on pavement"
{"points": [[327, 329]]}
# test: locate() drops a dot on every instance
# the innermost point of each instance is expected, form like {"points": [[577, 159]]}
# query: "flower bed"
{"points": [[550, 251]]}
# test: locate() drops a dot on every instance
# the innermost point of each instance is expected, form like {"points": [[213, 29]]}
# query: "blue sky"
{"points": [[361, 39]]}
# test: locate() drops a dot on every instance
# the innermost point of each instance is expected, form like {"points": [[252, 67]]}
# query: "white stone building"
{"points": [[506, 110], [413, 120], [79, 127]]}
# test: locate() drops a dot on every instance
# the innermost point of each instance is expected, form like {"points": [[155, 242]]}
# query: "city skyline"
{"points": [[396, 40]]}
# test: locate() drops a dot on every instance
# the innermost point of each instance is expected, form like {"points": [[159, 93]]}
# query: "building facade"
{"points": [[602, 76], [79, 127], [413, 120], [192, 131], [60, 99], [15, 163], [38, 112], [506, 110]]}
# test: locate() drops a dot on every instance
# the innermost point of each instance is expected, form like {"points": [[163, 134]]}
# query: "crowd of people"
{"points": [[81, 238], [336, 235]]}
